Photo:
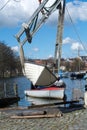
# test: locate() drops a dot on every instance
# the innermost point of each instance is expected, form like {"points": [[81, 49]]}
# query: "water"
{"points": [[24, 84]]}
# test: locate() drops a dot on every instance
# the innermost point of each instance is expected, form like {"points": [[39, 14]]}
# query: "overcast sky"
{"points": [[14, 12]]}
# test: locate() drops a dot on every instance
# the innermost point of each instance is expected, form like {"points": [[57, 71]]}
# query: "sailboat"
{"points": [[42, 79], [78, 74]]}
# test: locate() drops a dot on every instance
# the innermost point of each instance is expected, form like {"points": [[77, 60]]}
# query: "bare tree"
{"points": [[8, 60]]}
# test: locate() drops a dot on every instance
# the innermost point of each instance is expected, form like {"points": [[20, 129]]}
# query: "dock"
{"points": [[8, 94], [4, 102]]}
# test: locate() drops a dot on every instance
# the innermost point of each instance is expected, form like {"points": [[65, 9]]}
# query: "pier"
{"points": [[8, 94], [51, 117], [4, 102]]}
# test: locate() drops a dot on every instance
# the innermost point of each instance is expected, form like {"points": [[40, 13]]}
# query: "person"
{"points": [[60, 83], [42, 11], [40, 1]]}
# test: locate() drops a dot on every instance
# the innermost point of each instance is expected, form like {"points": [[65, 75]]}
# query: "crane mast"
{"points": [[59, 37], [38, 18]]}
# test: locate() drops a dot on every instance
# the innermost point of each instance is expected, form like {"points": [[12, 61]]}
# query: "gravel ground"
{"points": [[70, 120]]}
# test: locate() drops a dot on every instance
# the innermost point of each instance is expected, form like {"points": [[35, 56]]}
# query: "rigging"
{"points": [[4, 5], [76, 30]]}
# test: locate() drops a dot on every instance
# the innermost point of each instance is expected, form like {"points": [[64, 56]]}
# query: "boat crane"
{"points": [[39, 17]]}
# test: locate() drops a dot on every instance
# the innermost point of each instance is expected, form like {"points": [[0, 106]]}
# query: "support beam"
{"points": [[58, 46]]}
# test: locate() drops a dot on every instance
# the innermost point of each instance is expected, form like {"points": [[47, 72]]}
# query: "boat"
{"points": [[43, 82], [41, 101], [85, 76], [52, 92], [38, 74], [77, 75], [42, 79], [6, 101]]}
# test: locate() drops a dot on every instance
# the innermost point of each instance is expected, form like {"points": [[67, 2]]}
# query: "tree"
{"points": [[7, 60], [77, 65]]}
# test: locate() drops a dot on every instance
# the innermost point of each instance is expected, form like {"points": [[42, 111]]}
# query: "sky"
{"points": [[14, 12]]}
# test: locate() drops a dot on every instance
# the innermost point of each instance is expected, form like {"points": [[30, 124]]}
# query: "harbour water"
{"points": [[23, 83]]}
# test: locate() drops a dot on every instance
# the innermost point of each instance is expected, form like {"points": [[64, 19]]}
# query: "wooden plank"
{"points": [[36, 116], [30, 113]]}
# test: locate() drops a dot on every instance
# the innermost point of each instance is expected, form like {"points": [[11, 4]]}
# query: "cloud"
{"points": [[68, 40], [77, 46], [77, 10], [15, 13], [36, 49], [15, 48], [50, 56], [74, 44]]}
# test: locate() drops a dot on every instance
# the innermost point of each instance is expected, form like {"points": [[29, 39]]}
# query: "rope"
{"points": [[4, 5]]}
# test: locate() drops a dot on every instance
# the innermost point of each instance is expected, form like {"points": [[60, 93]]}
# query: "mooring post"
{"points": [[64, 100], [16, 89], [5, 90]]}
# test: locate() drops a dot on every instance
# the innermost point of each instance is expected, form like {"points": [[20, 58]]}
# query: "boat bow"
{"points": [[39, 74]]}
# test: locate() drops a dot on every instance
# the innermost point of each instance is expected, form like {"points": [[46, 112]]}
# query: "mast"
{"points": [[79, 58], [58, 45]]}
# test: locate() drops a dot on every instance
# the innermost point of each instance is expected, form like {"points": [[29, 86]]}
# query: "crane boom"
{"points": [[41, 14], [37, 19]]}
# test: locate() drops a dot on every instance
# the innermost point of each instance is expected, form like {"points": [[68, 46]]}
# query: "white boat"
{"points": [[39, 74], [48, 92]]}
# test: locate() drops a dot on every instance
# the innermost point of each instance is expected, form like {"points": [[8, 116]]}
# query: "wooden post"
{"points": [[16, 89], [58, 45], [5, 90]]}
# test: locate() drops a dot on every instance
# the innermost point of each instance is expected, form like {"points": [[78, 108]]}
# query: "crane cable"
{"points": [[76, 31], [7, 3], [4, 5]]}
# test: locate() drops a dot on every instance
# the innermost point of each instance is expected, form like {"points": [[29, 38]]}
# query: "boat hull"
{"points": [[57, 93], [38, 74]]}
